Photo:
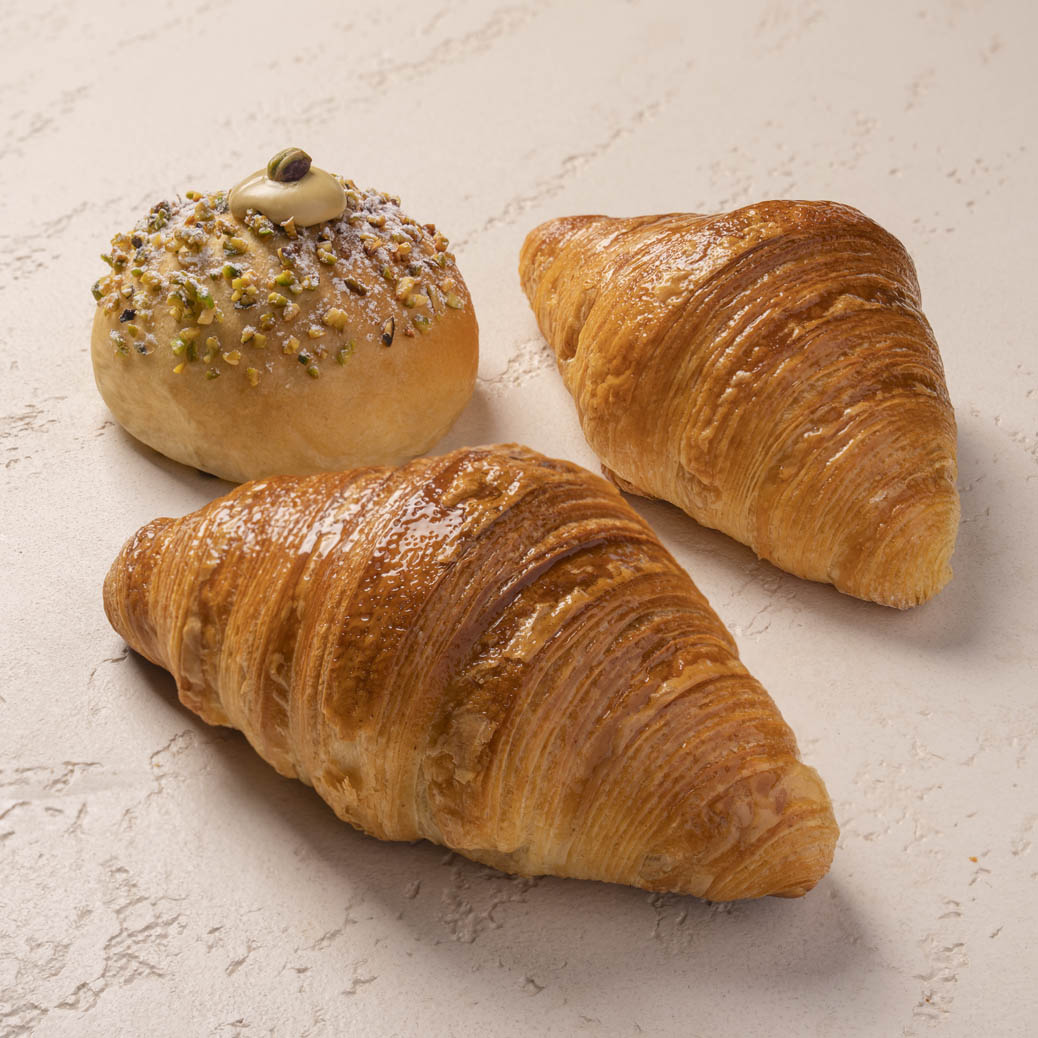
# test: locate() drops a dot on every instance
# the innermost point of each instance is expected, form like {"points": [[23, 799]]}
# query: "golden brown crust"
{"points": [[246, 349], [489, 650], [769, 371]]}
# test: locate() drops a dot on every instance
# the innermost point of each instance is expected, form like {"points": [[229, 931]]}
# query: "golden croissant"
{"points": [[770, 372], [489, 650]]}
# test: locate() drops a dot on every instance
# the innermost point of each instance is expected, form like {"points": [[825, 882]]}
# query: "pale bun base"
{"points": [[383, 406]]}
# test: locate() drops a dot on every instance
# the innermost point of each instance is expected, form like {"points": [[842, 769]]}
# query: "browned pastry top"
{"points": [[490, 650], [770, 371]]}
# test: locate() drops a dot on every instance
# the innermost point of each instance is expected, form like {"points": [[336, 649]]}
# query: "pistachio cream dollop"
{"points": [[290, 188]]}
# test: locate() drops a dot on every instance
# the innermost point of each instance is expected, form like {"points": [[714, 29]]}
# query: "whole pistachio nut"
{"points": [[289, 164]]}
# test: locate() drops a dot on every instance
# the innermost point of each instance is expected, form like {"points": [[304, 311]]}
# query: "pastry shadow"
{"points": [[472, 914], [475, 425], [184, 475]]}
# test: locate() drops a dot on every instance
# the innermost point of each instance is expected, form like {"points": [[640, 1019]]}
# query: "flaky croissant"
{"points": [[770, 372], [489, 650]]}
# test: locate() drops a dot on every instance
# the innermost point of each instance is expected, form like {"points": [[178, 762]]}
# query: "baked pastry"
{"points": [[489, 650], [298, 325], [769, 371]]}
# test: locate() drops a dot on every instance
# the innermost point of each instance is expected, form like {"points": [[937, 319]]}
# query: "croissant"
{"points": [[769, 371], [489, 650]]}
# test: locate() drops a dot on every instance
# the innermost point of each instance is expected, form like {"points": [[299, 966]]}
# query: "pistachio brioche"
{"points": [[248, 347]]}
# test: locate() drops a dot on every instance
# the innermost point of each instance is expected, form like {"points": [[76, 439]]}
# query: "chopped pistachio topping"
{"points": [[259, 224], [159, 216], [336, 318], [404, 287], [252, 375], [182, 260]]}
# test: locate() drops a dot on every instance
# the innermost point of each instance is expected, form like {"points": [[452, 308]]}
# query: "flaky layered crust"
{"points": [[489, 650], [769, 371]]}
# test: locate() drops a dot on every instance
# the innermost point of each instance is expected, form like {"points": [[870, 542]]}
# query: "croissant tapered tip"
{"points": [[126, 590], [771, 832], [789, 842], [908, 559], [543, 244]]}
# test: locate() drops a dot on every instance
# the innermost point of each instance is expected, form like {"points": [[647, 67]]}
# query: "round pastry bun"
{"points": [[249, 349]]}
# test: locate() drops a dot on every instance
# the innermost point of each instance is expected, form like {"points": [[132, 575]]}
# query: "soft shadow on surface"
{"points": [[428, 895], [474, 427], [960, 615], [184, 475]]}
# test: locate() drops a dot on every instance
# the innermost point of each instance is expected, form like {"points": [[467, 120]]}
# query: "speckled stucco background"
{"points": [[157, 878]]}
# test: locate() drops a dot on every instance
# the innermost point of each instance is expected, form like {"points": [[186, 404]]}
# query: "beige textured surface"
{"points": [[158, 878]]}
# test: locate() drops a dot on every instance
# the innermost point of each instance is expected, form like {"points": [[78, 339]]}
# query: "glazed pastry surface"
{"points": [[771, 372], [489, 650]]}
